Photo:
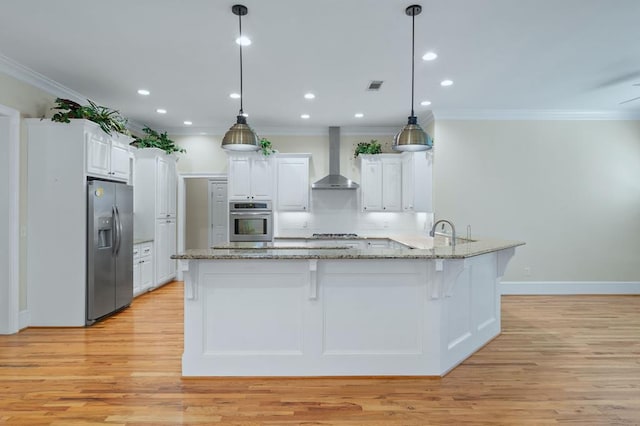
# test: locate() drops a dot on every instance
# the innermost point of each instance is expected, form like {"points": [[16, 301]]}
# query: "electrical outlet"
{"points": [[527, 271]]}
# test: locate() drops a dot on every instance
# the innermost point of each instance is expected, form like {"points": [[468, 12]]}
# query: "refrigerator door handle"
{"points": [[114, 227], [119, 227]]}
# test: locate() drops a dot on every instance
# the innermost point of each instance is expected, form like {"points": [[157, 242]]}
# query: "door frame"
{"points": [[182, 206], [10, 282]]}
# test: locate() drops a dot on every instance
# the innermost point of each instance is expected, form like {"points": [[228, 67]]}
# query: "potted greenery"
{"points": [[153, 139], [266, 148], [108, 119], [372, 147]]}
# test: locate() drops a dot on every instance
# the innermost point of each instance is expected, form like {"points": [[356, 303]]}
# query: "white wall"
{"points": [[569, 189], [4, 222], [31, 102]]}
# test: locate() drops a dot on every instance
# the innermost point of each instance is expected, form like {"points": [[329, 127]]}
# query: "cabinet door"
{"points": [[146, 274], [261, 178], [119, 161], [408, 183], [293, 184], [391, 185], [165, 248], [371, 180], [239, 178], [136, 277], [172, 187], [162, 172], [171, 250], [98, 154]]}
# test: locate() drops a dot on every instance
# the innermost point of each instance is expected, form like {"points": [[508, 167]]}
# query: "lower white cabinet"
{"points": [[165, 248], [142, 268]]}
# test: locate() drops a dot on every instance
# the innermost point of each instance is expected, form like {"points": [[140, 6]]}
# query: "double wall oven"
{"points": [[250, 221]]}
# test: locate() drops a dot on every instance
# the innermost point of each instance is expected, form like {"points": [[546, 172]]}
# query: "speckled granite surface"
{"points": [[460, 251]]}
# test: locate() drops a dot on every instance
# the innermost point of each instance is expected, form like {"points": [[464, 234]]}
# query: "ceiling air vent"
{"points": [[375, 85]]}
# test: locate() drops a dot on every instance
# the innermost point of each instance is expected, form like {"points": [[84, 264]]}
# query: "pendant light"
{"points": [[240, 137], [412, 137]]}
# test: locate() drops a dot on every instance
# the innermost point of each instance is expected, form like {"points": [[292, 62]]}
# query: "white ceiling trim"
{"points": [[29, 76], [535, 115], [34, 78]]}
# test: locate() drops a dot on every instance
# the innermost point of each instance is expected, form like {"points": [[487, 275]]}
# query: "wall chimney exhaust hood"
{"points": [[334, 180]]}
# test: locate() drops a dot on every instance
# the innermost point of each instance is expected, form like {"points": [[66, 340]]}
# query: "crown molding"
{"points": [[33, 78], [534, 114]]}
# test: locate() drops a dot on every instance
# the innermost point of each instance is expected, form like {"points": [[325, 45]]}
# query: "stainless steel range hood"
{"points": [[334, 180]]}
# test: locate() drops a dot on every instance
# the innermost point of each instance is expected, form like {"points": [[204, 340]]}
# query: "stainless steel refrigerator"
{"points": [[109, 248]]}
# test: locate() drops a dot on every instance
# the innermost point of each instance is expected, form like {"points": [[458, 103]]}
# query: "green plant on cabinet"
{"points": [[153, 139], [372, 147], [108, 119]]}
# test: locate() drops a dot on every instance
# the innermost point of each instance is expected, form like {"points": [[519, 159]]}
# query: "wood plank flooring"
{"points": [[559, 360]]}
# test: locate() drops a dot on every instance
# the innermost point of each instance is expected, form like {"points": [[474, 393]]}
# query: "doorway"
{"points": [[194, 211], [9, 220]]}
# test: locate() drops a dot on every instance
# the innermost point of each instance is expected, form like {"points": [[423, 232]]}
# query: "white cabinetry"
{"points": [[381, 180], [417, 181], [250, 176], [292, 178], [142, 267], [107, 156], [59, 160], [155, 208]]}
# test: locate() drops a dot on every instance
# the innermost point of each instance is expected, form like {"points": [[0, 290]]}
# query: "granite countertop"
{"points": [[142, 240], [422, 250]]}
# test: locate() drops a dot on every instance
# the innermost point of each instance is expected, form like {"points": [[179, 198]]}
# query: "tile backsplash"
{"points": [[338, 211]]}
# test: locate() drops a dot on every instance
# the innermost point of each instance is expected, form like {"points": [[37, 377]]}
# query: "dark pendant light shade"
{"points": [[412, 137], [240, 137]]}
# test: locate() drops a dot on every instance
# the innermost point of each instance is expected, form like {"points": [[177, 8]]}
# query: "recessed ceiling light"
{"points": [[446, 83], [243, 41], [429, 56], [305, 116], [144, 92], [425, 103], [235, 96], [187, 123], [161, 111], [309, 96], [358, 115]]}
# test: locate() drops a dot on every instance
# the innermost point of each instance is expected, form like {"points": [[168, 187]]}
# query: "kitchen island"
{"points": [[292, 308]]}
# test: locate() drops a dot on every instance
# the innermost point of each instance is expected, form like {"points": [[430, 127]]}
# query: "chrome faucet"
{"points": [[453, 230]]}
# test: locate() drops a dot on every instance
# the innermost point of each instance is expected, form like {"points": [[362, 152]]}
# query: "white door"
{"points": [[9, 239], [261, 178], [239, 178], [98, 155], [119, 161], [218, 213], [391, 185], [162, 172]]}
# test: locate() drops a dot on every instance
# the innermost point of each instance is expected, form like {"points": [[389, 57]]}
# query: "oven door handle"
{"points": [[250, 213]]}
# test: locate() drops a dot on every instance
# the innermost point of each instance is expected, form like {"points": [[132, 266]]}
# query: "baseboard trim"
{"points": [[569, 287], [23, 319]]}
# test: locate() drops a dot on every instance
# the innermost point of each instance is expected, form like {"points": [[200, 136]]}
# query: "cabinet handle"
{"points": [[384, 208], [304, 207]]}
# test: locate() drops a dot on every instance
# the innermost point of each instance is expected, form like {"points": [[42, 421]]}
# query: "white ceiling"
{"points": [[527, 56]]}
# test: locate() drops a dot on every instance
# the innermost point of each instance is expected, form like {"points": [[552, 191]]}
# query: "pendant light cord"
{"points": [[413, 44], [240, 39]]}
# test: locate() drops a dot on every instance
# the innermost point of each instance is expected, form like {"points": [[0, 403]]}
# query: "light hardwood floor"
{"points": [[559, 359]]}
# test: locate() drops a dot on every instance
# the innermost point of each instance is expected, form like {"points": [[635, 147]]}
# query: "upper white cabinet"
{"points": [[381, 180], [107, 156], [417, 181], [166, 187], [292, 177], [250, 177]]}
